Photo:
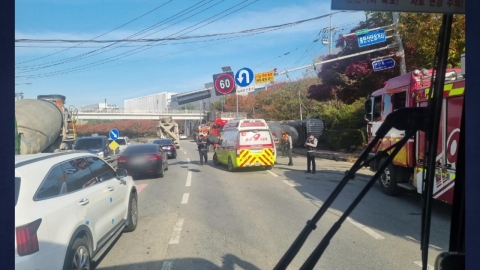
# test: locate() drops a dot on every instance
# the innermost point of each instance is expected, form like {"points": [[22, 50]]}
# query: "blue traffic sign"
{"points": [[244, 77], [114, 134], [383, 64], [372, 37]]}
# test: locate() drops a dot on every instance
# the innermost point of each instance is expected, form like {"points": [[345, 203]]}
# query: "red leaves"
{"points": [[128, 128], [321, 92]]}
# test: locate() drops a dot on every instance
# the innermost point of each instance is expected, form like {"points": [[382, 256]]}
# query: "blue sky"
{"points": [[171, 67]]}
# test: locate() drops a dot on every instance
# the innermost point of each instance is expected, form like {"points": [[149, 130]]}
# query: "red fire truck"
{"points": [[405, 171]]}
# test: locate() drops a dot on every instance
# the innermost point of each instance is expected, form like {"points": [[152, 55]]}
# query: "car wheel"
{"points": [[78, 256], [230, 165], [132, 214], [388, 179], [215, 159], [160, 175]]}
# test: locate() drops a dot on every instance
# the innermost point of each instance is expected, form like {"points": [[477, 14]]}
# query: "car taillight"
{"points": [[27, 240], [121, 159], [154, 157]]}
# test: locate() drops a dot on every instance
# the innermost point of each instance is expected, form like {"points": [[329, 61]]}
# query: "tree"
{"points": [[353, 78]]}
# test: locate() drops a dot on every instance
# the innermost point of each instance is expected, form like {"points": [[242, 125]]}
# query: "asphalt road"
{"points": [[204, 217]]}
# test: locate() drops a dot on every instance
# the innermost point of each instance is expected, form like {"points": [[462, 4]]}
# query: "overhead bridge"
{"points": [[122, 114]]}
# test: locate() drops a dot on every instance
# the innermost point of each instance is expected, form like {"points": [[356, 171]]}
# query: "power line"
{"points": [[89, 54], [139, 17], [120, 55], [155, 57]]}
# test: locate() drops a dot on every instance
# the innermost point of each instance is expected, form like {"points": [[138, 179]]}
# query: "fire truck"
{"points": [[405, 171]]}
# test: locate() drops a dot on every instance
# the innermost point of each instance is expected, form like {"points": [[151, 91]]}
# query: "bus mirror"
{"points": [[368, 105], [368, 117]]}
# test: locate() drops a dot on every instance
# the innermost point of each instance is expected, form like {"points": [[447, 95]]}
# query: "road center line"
{"points": [[185, 198], [175, 239], [274, 175], [189, 179], [167, 265], [188, 160], [366, 229], [419, 263]]}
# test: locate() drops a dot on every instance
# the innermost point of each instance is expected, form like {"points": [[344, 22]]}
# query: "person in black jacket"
{"points": [[202, 149], [311, 145]]}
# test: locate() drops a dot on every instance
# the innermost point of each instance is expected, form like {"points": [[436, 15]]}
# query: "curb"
{"points": [[330, 156]]}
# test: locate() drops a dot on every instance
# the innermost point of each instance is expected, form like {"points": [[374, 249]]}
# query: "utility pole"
{"points": [[398, 40], [329, 41]]}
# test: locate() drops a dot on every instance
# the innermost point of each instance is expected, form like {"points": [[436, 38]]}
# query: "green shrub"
{"points": [[346, 139]]}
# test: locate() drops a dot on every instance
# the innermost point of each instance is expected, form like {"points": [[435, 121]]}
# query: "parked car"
{"points": [[143, 159], [168, 146], [123, 142], [97, 145], [183, 137], [69, 208]]}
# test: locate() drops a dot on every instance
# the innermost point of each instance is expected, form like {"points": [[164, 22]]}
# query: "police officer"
{"points": [[311, 145], [202, 149]]}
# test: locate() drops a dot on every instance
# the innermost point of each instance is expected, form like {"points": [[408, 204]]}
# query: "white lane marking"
{"points": [[188, 160], [366, 229], [419, 263], [185, 198], [189, 179], [274, 175], [291, 183], [416, 241], [167, 265], [176, 232], [184, 152], [361, 226], [311, 196]]}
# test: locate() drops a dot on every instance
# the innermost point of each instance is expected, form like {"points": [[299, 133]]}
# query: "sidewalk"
{"points": [[332, 155]]}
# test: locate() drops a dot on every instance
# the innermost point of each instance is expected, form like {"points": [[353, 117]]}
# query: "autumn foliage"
{"points": [[129, 128], [350, 79]]}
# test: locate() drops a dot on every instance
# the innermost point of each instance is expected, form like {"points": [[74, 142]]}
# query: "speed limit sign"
{"points": [[224, 83]]}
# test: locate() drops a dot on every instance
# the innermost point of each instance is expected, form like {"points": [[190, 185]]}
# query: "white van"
{"points": [[246, 143]]}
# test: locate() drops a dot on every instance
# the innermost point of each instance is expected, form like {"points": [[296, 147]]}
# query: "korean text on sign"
{"points": [[431, 3]]}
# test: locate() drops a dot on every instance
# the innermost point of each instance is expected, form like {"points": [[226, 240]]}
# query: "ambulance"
{"points": [[246, 143]]}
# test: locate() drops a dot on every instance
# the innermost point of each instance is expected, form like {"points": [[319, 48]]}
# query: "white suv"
{"points": [[69, 208]]}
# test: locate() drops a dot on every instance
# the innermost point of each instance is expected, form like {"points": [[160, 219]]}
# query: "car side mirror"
{"points": [[121, 173]]}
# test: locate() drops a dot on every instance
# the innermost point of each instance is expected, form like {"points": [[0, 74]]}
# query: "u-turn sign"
{"points": [[244, 77]]}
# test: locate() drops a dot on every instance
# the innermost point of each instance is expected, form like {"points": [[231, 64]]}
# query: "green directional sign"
{"points": [[361, 32]]}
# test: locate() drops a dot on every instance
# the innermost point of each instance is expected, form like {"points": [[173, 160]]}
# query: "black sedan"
{"points": [[168, 147], [143, 159]]}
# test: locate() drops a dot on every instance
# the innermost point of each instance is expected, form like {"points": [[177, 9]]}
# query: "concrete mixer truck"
{"points": [[44, 125]]}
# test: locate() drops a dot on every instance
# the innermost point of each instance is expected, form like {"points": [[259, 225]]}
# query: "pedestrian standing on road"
{"points": [[290, 149], [311, 145], [284, 143], [202, 149]]}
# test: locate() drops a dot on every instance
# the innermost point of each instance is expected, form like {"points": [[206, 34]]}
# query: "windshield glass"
{"points": [[140, 149], [163, 142], [254, 78], [88, 144]]}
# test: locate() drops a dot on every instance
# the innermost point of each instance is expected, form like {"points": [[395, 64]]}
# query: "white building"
{"points": [[156, 103]]}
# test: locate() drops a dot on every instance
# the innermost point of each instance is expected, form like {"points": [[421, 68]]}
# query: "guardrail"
{"points": [[110, 111]]}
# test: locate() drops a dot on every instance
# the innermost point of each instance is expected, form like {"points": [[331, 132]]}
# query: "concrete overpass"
{"points": [[121, 114]]}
